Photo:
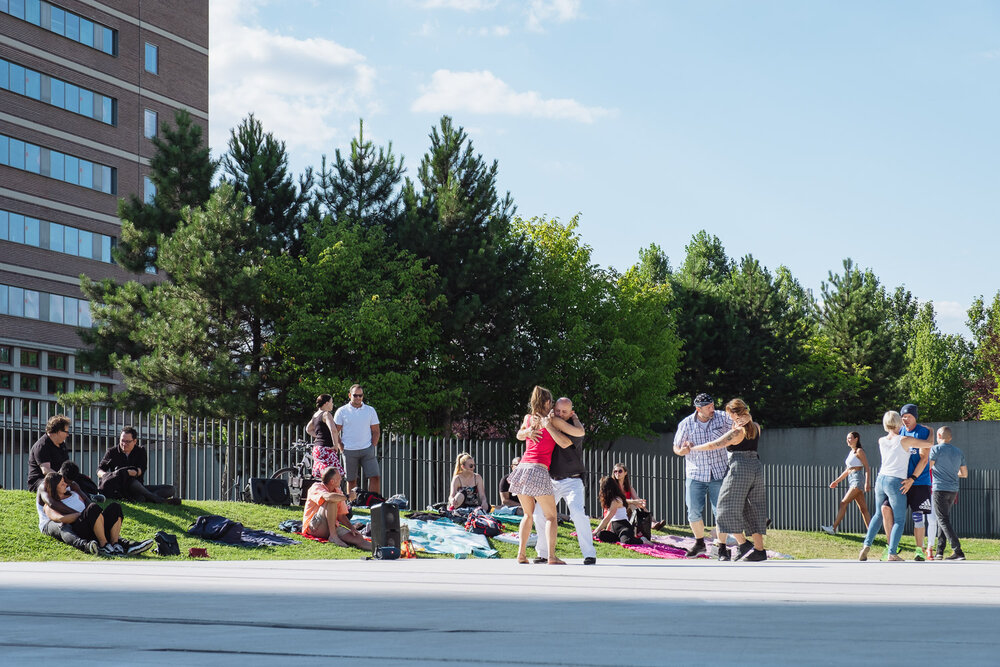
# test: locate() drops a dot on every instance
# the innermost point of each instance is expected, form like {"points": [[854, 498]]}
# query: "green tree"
{"points": [[984, 388], [458, 223], [181, 171], [198, 354], [938, 368], [867, 329], [604, 340], [364, 187]]}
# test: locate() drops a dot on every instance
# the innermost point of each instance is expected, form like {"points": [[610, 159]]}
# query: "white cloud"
{"points": [[486, 31], [298, 88], [461, 5], [560, 11], [991, 55], [483, 93]]}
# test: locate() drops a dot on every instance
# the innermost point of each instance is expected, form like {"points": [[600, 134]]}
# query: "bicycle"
{"points": [[299, 476]]}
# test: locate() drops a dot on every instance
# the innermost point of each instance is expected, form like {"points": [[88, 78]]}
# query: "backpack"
{"points": [[218, 528], [166, 544], [367, 499], [642, 523], [481, 523]]}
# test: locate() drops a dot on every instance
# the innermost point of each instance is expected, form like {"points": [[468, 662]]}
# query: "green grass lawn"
{"points": [[23, 542]]}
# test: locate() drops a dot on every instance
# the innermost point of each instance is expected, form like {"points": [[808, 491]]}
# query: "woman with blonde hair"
{"points": [[742, 503], [467, 488], [858, 474], [530, 480]]}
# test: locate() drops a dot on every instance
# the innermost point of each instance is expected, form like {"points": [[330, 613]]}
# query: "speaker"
{"points": [[265, 491], [385, 526]]}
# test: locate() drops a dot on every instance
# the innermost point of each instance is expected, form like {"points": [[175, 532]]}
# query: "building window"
{"points": [[56, 386], [4, 354], [69, 25], [30, 383], [83, 368], [48, 89], [66, 168], [148, 190], [80, 385], [29, 358], [57, 362], [152, 58], [149, 126], [5, 379], [35, 305]]}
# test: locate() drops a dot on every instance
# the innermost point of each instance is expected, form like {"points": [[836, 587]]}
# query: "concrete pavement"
{"points": [[496, 612]]}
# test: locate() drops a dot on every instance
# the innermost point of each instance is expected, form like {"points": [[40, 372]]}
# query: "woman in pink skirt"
{"points": [[530, 480]]}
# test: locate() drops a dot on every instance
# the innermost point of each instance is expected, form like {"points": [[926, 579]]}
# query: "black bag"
{"points": [[266, 491], [642, 523], [367, 499], [166, 544], [217, 528]]}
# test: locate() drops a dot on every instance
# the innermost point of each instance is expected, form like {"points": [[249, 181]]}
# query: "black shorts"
{"points": [[918, 499]]}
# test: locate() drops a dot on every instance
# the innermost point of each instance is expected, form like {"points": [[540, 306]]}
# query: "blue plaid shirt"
{"points": [[704, 466]]}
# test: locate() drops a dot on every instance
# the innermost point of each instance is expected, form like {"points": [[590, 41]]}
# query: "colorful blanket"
{"points": [[443, 537]]}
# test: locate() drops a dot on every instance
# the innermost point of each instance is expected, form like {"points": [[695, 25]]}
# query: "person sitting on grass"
{"points": [[467, 487], [326, 514], [64, 515], [121, 473], [615, 526]]}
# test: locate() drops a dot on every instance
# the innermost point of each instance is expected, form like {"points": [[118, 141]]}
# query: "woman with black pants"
{"points": [[615, 522]]}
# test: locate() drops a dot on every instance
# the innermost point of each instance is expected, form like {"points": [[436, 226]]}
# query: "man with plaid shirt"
{"points": [[703, 471]]}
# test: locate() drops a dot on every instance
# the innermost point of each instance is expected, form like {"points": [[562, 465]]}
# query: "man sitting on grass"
{"points": [[326, 514]]}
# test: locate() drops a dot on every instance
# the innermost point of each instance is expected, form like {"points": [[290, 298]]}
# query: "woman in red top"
{"points": [[530, 480]]}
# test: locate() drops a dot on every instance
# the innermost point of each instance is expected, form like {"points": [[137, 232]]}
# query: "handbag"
{"points": [[166, 544]]}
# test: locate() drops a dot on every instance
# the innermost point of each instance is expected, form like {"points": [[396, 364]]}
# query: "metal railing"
{"points": [[212, 459]]}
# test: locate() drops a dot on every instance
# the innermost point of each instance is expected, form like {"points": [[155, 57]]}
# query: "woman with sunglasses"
{"points": [[620, 474], [467, 488]]}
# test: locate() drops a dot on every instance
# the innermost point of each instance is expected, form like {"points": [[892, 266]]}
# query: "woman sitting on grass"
{"points": [[64, 515], [615, 526], [467, 488]]}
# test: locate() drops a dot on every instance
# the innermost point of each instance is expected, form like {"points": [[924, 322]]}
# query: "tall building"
{"points": [[84, 86]]}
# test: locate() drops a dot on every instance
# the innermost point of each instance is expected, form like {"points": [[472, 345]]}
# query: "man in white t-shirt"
{"points": [[357, 424]]}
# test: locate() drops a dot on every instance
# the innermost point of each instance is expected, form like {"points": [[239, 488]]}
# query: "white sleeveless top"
{"points": [[852, 460]]}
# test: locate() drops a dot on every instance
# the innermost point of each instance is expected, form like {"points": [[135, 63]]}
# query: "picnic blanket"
{"points": [[513, 538], [443, 537]]}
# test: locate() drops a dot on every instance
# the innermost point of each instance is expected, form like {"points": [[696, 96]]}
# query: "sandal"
{"points": [[523, 560], [556, 561]]}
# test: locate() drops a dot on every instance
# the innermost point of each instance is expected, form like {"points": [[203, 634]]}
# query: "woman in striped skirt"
{"points": [[742, 503]]}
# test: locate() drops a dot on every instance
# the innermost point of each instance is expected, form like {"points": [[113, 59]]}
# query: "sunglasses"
{"points": [[358, 395], [617, 471], [469, 465]]}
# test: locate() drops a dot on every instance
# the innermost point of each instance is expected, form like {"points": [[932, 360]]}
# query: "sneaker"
{"points": [[658, 525], [895, 558], [173, 501], [119, 549], [755, 556], [98, 497], [92, 547], [956, 555], [919, 556], [723, 552], [744, 549], [139, 547], [107, 550], [863, 556], [939, 555], [698, 548], [829, 530], [590, 560]]}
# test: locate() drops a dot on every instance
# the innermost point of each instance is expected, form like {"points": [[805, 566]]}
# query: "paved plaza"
{"points": [[496, 612]]}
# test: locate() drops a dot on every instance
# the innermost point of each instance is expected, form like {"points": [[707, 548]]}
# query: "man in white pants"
{"points": [[567, 472]]}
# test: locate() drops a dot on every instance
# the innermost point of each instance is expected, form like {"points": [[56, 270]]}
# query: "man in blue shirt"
{"points": [[917, 486], [949, 465]]}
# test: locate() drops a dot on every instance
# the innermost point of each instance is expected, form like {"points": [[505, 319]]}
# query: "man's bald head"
{"points": [[563, 408]]}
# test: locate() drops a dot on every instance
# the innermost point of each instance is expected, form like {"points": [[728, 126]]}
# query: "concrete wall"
{"points": [[980, 441]]}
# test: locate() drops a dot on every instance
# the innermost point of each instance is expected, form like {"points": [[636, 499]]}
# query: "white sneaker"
{"points": [[828, 530]]}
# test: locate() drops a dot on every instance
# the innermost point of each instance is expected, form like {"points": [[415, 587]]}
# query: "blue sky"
{"points": [[799, 132]]}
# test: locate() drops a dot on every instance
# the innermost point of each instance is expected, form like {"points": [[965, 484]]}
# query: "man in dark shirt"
{"points": [[508, 499], [122, 468], [567, 472], [49, 453]]}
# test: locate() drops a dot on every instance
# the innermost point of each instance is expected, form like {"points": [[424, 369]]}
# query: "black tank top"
{"points": [[322, 435], [748, 445]]}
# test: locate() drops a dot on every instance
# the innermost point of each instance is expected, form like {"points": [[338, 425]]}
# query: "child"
{"points": [[948, 463]]}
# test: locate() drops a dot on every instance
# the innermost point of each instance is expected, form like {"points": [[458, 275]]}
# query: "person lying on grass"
{"points": [[326, 515], [65, 515]]}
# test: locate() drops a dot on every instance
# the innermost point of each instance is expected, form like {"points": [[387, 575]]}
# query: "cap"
{"points": [[908, 409], [703, 399]]}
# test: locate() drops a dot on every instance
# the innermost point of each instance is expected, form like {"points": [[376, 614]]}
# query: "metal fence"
{"points": [[212, 459]]}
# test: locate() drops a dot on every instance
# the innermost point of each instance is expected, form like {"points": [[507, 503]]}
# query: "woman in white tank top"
{"points": [[859, 477]]}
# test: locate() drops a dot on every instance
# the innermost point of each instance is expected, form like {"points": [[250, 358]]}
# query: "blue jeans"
{"points": [[695, 492], [886, 486]]}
